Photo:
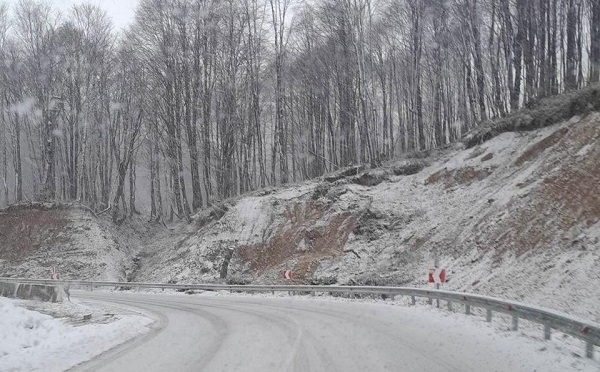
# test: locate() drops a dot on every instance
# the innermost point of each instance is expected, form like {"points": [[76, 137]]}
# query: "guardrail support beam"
{"points": [[589, 349], [488, 315], [467, 309], [547, 332], [449, 305], [413, 300], [430, 301], [515, 322]]}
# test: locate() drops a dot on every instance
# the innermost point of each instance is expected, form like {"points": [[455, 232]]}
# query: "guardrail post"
{"points": [[430, 301], [467, 309], [488, 315], [449, 305], [515, 322], [413, 300], [589, 349], [547, 332]]}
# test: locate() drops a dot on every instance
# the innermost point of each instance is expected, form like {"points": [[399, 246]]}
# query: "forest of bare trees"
{"points": [[201, 100]]}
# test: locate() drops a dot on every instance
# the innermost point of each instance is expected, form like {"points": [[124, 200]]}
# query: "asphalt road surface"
{"points": [[254, 333]]}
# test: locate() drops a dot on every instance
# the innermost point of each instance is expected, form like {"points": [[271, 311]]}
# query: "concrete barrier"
{"points": [[40, 292]]}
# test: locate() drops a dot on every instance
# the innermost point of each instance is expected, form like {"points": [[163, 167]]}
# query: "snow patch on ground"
{"points": [[252, 219], [32, 341]]}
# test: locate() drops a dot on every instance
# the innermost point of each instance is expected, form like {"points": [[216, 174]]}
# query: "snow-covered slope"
{"points": [[515, 217]]}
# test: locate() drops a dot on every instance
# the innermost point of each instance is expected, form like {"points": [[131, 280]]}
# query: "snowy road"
{"points": [[254, 333]]}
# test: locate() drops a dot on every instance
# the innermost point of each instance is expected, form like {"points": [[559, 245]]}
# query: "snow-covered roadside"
{"points": [[32, 341]]}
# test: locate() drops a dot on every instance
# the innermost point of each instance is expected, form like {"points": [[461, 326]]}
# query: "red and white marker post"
{"points": [[286, 274], [54, 275], [437, 276]]}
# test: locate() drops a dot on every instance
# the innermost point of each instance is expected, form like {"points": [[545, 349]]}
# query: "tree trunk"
{"points": [[49, 190], [571, 56], [480, 76], [17, 161], [520, 40], [119, 194], [595, 41], [132, 178]]}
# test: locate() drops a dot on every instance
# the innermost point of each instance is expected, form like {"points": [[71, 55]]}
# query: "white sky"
{"points": [[120, 11]]}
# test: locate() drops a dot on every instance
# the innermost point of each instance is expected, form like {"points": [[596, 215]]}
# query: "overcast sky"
{"points": [[121, 11]]}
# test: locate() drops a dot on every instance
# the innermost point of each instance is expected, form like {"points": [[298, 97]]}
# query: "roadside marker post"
{"points": [[286, 274], [437, 276], [54, 275]]}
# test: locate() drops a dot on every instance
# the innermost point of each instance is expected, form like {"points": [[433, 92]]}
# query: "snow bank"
{"points": [[31, 341]]}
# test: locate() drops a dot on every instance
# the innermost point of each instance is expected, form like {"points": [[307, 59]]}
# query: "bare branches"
{"points": [[205, 100]]}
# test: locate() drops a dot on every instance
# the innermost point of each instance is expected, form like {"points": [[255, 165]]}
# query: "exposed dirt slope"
{"points": [[36, 237], [257, 236]]}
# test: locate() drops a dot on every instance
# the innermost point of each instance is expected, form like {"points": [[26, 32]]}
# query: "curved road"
{"points": [[254, 333]]}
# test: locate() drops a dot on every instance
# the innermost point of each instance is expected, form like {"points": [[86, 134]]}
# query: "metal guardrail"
{"points": [[585, 330]]}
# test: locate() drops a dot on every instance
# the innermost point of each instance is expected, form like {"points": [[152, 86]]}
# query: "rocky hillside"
{"points": [[36, 237], [516, 216], [513, 212]]}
